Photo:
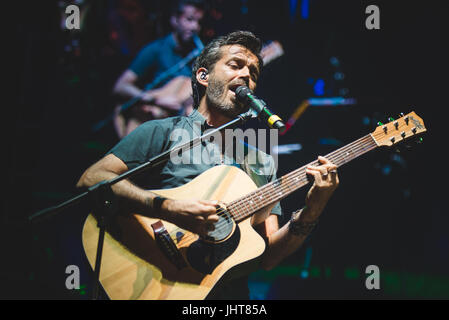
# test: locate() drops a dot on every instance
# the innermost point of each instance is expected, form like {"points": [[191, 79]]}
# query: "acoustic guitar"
{"points": [[146, 258]]}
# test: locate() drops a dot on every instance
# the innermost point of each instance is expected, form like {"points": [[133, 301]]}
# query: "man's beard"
{"points": [[216, 94]]}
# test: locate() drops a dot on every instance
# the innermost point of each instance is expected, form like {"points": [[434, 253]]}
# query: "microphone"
{"points": [[246, 96]]}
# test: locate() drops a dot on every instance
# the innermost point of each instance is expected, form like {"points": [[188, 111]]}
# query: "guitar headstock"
{"points": [[406, 127]]}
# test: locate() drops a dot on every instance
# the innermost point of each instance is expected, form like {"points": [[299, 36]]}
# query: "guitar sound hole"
{"points": [[223, 227], [206, 256]]}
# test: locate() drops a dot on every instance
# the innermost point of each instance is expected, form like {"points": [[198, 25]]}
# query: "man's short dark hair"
{"points": [[178, 6], [212, 53]]}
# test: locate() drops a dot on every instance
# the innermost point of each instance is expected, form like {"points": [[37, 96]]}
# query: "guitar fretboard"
{"points": [[274, 191]]}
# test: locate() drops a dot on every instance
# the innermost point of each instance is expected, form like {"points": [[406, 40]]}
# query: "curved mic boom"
{"points": [[246, 96]]}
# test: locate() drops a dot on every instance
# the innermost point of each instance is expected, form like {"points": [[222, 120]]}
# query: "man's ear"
{"points": [[202, 76], [174, 21]]}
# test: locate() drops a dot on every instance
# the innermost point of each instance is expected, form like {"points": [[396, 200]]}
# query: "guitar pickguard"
{"points": [[205, 256]]}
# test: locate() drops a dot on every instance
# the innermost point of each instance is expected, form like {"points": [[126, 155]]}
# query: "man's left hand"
{"points": [[325, 182]]}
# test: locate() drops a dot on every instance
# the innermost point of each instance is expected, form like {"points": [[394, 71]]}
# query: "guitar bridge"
{"points": [[167, 245]]}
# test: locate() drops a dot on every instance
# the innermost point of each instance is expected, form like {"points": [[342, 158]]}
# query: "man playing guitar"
{"points": [[225, 63], [173, 95]]}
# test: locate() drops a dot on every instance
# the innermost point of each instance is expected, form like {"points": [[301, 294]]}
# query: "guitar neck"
{"points": [[285, 185]]}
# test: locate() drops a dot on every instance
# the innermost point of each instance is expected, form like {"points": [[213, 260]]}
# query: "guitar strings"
{"points": [[355, 148], [293, 175], [238, 205]]}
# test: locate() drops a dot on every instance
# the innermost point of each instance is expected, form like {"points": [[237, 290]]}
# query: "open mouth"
{"points": [[234, 87]]}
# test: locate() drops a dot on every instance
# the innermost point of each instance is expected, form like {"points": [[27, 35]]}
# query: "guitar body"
{"points": [[136, 266], [172, 97]]}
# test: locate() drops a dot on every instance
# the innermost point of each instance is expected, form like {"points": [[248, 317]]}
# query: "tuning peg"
{"points": [[406, 118], [380, 123], [390, 119], [420, 140]]}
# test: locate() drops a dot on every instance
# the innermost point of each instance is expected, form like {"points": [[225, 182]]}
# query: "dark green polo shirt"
{"points": [[156, 136], [157, 57]]}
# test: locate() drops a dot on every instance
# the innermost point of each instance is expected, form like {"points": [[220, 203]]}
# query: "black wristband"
{"points": [[157, 203], [300, 228]]}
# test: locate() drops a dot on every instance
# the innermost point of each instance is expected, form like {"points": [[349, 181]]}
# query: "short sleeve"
{"points": [[144, 60], [143, 143]]}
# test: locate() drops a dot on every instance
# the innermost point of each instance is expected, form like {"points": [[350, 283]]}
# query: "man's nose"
{"points": [[245, 75]]}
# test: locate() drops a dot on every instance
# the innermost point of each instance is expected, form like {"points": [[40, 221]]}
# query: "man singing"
{"points": [[225, 63]]}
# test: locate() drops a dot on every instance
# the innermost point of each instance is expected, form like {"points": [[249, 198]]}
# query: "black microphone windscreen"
{"points": [[241, 93]]}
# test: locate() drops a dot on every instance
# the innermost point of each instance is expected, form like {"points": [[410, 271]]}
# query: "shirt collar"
{"points": [[171, 42], [177, 47], [198, 122]]}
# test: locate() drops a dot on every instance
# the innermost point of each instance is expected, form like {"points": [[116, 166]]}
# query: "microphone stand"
{"points": [[104, 200]]}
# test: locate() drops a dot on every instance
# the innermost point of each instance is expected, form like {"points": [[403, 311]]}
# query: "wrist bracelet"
{"points": [[300, 228], [157, 203]]}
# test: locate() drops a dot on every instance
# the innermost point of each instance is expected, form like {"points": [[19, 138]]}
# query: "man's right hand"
{"points": [[148, 97], [158, 107], [197, 216], [163, 100]]}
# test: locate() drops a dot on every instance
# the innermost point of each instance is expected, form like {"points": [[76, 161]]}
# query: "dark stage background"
{"points": [[390, 209]]}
